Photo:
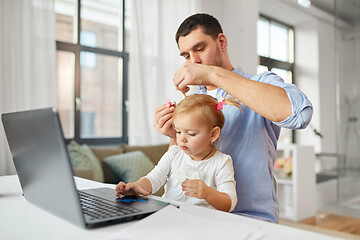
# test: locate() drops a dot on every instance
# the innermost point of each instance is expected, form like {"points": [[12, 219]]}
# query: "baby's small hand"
{"points": [[195, 188], [120, 188], [129, 189]]}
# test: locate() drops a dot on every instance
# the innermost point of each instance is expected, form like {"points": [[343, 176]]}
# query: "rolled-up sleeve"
{"points": [[301, 107]]}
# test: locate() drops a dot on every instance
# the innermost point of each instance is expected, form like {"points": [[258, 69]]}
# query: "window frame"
{"points": [[76, 49], [274, 63]]}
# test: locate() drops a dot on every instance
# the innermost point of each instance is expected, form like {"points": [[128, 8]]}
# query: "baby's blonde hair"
{"points": [[205, 106]]}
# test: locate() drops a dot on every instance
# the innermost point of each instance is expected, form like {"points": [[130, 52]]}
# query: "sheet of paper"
{"points": [[176, 224]]}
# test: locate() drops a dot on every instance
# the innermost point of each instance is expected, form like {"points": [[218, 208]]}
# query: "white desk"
{"points": [[22, 220]]}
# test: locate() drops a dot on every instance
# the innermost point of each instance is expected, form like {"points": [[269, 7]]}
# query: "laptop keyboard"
{"points": [[98, 208]]}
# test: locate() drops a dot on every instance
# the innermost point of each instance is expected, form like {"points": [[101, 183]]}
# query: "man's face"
{"points": [[198, 47]]}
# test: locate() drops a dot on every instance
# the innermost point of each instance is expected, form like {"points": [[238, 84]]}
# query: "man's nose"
{"points": [[195, 58]]}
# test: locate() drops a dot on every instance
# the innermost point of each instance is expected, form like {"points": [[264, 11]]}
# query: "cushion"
{"points": [[102, 152], [153, 152], [82, 156], [131, 166]]}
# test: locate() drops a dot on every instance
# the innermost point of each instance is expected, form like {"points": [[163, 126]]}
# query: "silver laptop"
{"points": [[44, 168]]}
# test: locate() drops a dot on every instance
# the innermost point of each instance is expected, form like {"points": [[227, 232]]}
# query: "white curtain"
{"points": [[154, 59], [27, 62]]}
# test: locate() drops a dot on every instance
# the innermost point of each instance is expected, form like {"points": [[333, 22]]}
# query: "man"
{"points": [[249, 137]]}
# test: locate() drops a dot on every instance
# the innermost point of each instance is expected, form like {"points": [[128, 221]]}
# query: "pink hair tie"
{"points": [[171, 103], [220, 104]]}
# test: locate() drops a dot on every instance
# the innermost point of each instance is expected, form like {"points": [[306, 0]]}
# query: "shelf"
{"points": [[287, 212], [296, 194], [284, 181]]}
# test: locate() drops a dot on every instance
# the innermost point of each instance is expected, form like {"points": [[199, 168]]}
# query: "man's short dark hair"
{"points": [[208, 23]]}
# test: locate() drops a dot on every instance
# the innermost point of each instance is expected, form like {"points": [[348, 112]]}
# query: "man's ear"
{"points": [[215, 133], [222, 40]]}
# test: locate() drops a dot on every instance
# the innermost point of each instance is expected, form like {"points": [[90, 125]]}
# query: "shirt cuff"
{"points": [[301, 108]]}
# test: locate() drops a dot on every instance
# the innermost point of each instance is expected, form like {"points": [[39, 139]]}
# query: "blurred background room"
{"points": [[107, 64]]}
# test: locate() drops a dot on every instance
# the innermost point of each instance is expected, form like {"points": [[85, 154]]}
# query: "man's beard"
{"points": [[219, 61]]}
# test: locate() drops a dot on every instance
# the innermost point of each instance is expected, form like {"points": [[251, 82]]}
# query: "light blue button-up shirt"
{"points": [[251, 141]]}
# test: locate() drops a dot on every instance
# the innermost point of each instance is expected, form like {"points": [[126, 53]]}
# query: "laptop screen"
{"points": [[42, 163]]}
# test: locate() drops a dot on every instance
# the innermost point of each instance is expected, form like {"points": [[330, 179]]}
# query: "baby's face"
{"points": [[193, 135]]}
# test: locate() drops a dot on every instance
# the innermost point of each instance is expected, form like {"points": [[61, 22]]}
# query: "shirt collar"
{"points": [[238, 70]]}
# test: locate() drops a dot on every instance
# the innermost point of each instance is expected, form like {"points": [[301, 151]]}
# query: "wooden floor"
{"points": [[335, 222]]}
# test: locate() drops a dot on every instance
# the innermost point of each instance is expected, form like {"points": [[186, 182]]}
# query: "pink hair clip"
{"points": [[220, 104], [171, 103]]}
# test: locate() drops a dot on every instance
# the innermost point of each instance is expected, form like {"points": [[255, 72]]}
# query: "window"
{"points": [[275, 47], [91, 70], [88, 59]]}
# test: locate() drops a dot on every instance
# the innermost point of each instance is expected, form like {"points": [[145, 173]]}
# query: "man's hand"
{"points": [[192, 74], [163, 120], [195, 188], [129, 189]]}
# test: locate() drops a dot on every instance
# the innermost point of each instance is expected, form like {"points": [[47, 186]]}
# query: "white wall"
{"points": [[327, 89], [238, 19], [307, 77]]}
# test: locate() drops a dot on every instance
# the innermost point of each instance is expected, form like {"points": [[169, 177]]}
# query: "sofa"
{"points": [[110, 159]]}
